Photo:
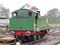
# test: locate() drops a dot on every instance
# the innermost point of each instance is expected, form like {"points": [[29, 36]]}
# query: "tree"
{"points": [[4, 18], [53, 15], [4, 12]]}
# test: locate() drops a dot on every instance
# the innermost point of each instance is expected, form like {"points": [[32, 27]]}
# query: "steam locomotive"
{"points": [[28, 25]]}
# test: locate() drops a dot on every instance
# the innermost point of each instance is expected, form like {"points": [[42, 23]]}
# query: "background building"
{"points": [[4, 18]]}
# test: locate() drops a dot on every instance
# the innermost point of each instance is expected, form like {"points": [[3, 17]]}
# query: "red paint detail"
{"points": [[32, 33], [24, 33], [19, 33], [41, 32]]}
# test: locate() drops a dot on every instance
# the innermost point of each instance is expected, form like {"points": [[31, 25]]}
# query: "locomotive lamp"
{"points": [[18, 43]]}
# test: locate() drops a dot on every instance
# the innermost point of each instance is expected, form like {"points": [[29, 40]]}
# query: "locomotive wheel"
{"points": [[37, 37], [28, 39], [41, 36], [32, 38], [25, 39]]}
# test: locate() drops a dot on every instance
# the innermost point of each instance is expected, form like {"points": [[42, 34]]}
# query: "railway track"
{"points": [[36, 42], [53, 36], [33, 42], [29, 43]]}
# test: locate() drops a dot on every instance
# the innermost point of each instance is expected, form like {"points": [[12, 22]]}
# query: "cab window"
{"points": [[30, 13], [15, 14]]}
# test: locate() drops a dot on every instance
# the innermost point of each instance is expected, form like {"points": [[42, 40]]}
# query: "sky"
{"points": [[42, 5]]}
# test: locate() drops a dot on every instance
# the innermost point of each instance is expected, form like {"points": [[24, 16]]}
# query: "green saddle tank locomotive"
{"points": [[28, 25]]}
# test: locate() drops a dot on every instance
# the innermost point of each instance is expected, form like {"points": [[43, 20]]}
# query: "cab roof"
{"points": [[28, 7]]}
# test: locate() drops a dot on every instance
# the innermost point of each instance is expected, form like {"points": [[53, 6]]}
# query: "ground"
{"points": [[52, 38]]}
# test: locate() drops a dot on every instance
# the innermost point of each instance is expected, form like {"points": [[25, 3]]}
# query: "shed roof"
{"points": [[29, 7]]}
